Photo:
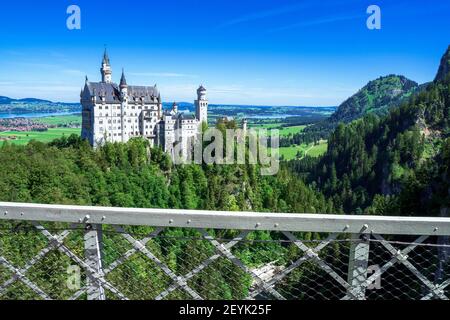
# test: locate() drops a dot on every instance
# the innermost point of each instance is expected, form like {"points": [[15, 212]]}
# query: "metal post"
{"points": [[358, 264], [93, 258]]}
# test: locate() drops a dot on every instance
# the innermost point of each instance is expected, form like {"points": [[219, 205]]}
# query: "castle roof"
{"points": [[186, 116], [111, 92]]}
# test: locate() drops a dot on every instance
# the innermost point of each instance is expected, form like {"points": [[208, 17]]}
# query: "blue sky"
{"points": [[278, 52]]}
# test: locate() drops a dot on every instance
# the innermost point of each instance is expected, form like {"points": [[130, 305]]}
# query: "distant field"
{"points": [[284, 131], [318, 150], [23, 138], [60, 120], [290, 153]]}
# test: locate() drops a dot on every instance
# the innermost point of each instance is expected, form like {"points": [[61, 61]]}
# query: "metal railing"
{"points": [[96, 253]]}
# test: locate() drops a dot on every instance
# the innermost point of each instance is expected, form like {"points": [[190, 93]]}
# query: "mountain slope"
{"points": [[376, 96], [444, 67], [7, 100], [377, 157]]}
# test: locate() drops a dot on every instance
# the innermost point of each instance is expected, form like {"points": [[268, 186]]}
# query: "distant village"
{"points": [[22, 125]]}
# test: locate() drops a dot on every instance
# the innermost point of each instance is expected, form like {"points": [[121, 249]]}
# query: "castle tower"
{"points": [[175, 108], [124, 103], [244, 125], [106, 70], [201, 105]]}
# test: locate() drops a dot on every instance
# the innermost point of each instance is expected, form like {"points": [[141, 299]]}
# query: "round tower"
{"points": [[201, 105], [201, 93]]}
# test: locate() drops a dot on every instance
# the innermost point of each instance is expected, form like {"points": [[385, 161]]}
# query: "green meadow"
{"points": [[284, 131], [60, 120], [290, 153], [22, 138]]}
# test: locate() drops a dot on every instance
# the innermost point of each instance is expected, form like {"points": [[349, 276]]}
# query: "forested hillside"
{"points": [[376, 97], [387, 159], [69, 171]]}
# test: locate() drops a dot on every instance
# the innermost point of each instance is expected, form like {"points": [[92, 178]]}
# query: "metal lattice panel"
{"points": [[163, 262]]}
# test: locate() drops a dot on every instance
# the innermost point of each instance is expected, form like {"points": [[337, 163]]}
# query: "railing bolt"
{"points": [[365, 227], [103, 218], [171, 221], [6, 212], [22, 213], [258, 225], [277, 225], [86, 218], [436, 229], [346, 227], [364, 237], [189, 221]]}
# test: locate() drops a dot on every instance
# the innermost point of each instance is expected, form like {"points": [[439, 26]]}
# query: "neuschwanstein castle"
{"points": [[117, 113]]}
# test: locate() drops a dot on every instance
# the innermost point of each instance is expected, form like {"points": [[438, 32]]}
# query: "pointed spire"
{"points": [[123, 81], [105, 57], [86, 80]]}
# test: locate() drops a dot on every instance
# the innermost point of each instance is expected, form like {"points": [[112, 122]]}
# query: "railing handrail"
{"points": [[305, 222]]}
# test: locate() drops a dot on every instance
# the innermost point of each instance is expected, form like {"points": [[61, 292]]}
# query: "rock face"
{"points": [[378, 96], [444, 67]]}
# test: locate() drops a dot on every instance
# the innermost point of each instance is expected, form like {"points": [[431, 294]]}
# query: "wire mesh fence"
{"points": [[41, 260]]}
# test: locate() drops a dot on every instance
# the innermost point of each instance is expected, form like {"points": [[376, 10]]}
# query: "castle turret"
{"points": [[106, 70], [244, 125], [175, 108], [201, 105], [123, 82], [124, 103]]}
